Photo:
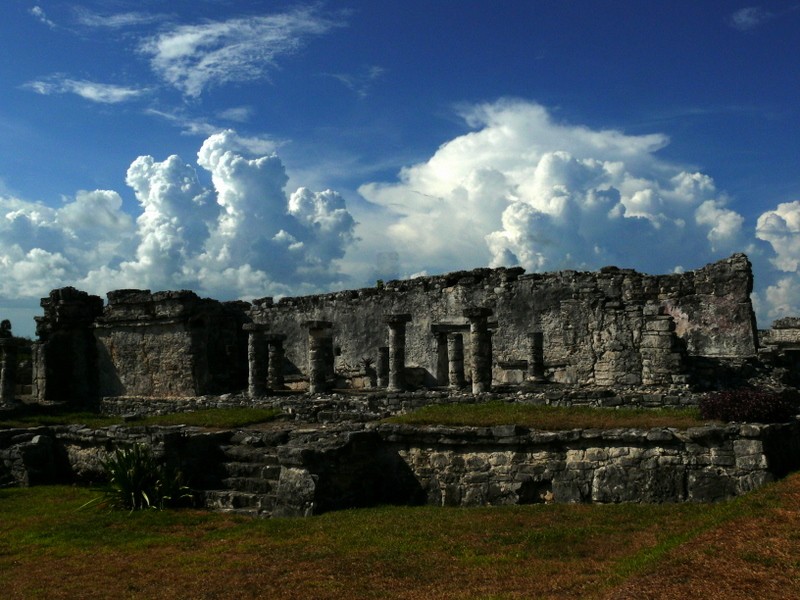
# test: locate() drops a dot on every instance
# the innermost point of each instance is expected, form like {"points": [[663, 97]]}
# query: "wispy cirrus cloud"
{"points": [[359, 83], [39, 13], [104, 93], [192, 58], [88, 18], [750, 17], [194, 126], [239, 114]]}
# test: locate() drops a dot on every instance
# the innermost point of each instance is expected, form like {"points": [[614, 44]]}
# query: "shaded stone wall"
{"points": [[65, 357], [170, 344], [513, 465], [329, 468], [615, 327]]}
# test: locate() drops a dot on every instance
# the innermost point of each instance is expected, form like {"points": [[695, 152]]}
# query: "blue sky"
{"points": [[244, 149]]}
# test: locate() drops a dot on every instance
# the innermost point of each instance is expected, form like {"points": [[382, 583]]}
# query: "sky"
{"points": [[244, 149]]}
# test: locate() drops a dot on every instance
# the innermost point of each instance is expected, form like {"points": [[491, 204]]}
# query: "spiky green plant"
{"points": [[137, 480]]}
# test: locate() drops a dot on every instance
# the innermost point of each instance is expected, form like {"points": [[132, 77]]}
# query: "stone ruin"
{"points": [[480, 328], [339, 362]]}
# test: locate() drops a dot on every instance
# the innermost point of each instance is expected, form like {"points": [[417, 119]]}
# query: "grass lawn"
{"points": [[551, 418], [33, 415], [745, 548]]}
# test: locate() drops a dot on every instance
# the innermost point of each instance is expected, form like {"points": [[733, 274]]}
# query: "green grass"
{"points": [[550, 418], [35, 415], [216, 417], [50, 546]]}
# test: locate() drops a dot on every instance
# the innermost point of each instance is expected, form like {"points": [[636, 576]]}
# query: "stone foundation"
{"points": [[311, 469]]}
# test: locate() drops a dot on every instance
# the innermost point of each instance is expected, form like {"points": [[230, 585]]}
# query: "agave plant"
{"points": [[136, 481]]}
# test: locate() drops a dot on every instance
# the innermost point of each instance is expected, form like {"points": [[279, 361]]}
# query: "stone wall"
{"points": [[612, 328], [170, 344], [469, 466], [162, 344], [615, 327], [320, 468], [513, 465], [65, 357]]}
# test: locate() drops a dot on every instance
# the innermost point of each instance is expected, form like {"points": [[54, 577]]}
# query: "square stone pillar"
{"points": [[275, 362], [481, 346], [256, 360], [318, 342], [397, 349]]}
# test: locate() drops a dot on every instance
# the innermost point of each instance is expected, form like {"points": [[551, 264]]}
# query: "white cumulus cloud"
{"points": [[524, 189], [242, 237]]}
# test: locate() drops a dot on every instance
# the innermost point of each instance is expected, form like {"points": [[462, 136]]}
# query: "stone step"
{"points": [[234, 500], [251, 469], [238, 453], [250, 484]]}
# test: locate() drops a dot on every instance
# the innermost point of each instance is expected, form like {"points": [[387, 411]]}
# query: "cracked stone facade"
{"points": [[615, 327]]}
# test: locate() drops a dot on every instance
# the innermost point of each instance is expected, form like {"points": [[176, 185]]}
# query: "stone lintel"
{"points": [[103, 323], [477, 312], [317, 324], [449, 327], [397, 319], [254, 327]]}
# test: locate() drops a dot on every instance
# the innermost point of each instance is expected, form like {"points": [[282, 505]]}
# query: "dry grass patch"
{"points": [[49, 548]]}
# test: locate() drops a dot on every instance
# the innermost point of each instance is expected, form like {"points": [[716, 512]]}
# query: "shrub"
{"points": [[136, 480], [748, 405]]}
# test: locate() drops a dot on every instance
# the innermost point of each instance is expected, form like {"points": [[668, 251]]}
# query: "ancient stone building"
{"points": [[477, 328], [167, 344], [615, 327]]}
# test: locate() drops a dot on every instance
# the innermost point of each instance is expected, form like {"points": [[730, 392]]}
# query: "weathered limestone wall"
{"points": [[615, 327], [169, 344], [513, 465], [612, 327], [316, 469], [65, 357], [469, 466]]}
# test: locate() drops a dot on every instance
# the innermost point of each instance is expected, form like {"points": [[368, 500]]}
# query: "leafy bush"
{"points": [[748, 405], [138, 481]]}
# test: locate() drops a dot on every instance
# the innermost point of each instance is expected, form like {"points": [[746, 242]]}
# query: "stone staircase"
{"points": [[249, 473]]}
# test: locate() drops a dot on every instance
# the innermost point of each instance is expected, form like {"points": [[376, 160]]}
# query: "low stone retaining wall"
{"points": [[328, 467], [514, 465]]}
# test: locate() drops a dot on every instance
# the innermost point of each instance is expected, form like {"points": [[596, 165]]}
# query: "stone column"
{"points": [[397, 349], [275, 363], [318, 332], [39, 379], [536, 356], [256, 360], [481, 347], [455, 356], [8, 371], [662, 358], [382, 368]]}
